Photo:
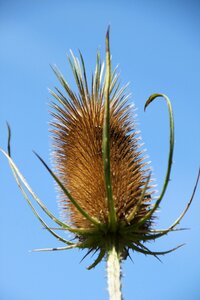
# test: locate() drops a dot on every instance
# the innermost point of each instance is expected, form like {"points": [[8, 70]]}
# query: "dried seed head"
{"points": [[77, 133], [104, 181]]}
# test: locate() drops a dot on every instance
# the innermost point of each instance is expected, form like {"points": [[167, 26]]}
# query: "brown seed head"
{"points": [[78, 128]]}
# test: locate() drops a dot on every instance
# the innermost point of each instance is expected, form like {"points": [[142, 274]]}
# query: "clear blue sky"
{"points": [[157, 45]]}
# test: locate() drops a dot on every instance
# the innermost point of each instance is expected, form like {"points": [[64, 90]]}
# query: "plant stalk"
{"points": [[114, 274]]}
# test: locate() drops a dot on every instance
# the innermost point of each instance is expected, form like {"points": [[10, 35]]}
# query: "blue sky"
{"points": [[157, 46]]}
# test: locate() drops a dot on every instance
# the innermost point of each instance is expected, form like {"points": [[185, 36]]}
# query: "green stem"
{"points": [[114, 274]]}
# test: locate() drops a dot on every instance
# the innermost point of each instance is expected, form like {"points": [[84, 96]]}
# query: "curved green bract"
{"points": [[17, 173], [60, 238], [144, 250], [20, 176], [106, 140], [161, 232], [170, 157]]}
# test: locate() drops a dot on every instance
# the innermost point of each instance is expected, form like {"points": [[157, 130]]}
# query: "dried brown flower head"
{"points": [[78, 151]]}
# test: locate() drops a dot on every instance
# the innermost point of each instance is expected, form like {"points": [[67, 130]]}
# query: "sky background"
{"points": [[157, 47]]}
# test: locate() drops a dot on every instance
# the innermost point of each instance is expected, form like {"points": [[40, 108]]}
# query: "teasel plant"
{"points": [[104, 181]]}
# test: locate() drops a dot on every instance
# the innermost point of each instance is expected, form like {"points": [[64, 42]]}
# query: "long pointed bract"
{"points": [[56, 248], [44, 208], [106, 139], [163, 232], [60, 238], [97, 260], [170, 157]]}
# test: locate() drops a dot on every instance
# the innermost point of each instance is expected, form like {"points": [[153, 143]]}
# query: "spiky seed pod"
{"points": [[78, 150], [104, 180], [105, 183]]}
